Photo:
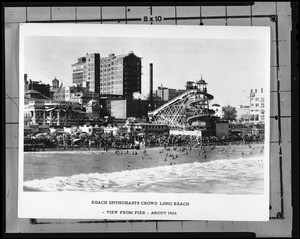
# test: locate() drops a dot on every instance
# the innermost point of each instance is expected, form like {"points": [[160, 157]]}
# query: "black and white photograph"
{"points": [[144, 122]]}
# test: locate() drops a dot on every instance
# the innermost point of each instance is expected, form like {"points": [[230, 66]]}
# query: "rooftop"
{"points": [[201, 82]]}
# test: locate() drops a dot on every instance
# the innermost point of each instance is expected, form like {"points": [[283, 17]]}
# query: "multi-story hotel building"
{"points": [[78, 71], [120, 75], [91, 72], [257, 106], [112, 75], [86, 72]]}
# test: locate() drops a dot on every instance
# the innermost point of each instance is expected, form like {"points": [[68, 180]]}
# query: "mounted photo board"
{"points": [[194, 177]]}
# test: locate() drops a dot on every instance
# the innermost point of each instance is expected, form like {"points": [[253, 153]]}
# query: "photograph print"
{"points": [[144, 110]]}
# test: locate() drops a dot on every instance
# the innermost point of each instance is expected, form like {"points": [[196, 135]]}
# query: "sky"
{"points": [[231, 67]]}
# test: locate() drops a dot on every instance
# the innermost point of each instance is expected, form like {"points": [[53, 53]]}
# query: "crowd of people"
{"points": [[129, 141]]}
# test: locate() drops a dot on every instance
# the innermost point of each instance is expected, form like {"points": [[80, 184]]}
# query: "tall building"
{"points": [[91, 73], [112, 75], [120, 75], [78, 71], [257, 106], [86, 72]]}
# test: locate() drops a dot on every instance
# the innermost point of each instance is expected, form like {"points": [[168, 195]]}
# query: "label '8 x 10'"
{"points": [[152, 19]]}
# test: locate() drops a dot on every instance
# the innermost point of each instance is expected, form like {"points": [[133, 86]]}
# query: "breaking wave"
{"points": [[225, 176]]}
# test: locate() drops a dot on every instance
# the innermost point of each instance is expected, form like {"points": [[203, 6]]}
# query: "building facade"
{"points": [[83, 97], [120, 75], [229, 113], [122, 109], [91, 73], [40, 110], [243, 114], [44, 89], [86, 72], [257, 106], [78, 71], [218, 110], [112, 75], [167, 94], [58, 91], [148, 128], [222, 129]]}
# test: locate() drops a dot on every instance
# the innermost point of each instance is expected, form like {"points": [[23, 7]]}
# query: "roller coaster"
{"points": [[188, 111]]}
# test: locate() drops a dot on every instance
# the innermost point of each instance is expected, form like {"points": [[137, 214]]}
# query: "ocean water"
{"points": [[222, 176]]}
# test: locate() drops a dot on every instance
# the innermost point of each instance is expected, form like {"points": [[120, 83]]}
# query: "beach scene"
{"points": [[149, 115], [230, 169]]}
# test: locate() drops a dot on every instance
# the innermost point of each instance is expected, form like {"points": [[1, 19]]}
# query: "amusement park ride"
{"points": [[188, 111]]}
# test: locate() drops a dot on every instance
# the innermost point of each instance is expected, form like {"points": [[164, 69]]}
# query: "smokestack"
{"points": [[162, 92], [151, 86]]}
